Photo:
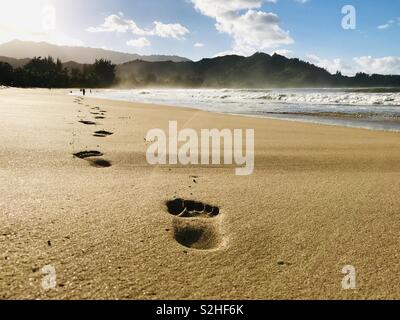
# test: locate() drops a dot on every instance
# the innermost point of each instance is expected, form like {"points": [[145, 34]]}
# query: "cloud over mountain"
{"points": [[251, 29], [117, 23]]}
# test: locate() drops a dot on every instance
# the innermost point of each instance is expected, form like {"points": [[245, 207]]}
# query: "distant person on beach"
{"points": [[84, 91]]}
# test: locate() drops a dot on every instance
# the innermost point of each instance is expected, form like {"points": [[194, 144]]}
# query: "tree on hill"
{"points": [[49, 73], [6, 74], [258, 71], [45, 73], [103, 73]]}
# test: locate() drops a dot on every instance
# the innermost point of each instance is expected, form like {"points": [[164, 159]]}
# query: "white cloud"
{"points": [[389, 24], [172, 30], [332, 65], [250, 30], [117, 23], [385, 65], [139, 43], [198, 45], [366, 64], [384, 26], [255, 30], [227, 53], [215, 8]]}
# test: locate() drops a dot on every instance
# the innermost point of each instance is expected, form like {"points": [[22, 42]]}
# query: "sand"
{"points": [[321, 197]]}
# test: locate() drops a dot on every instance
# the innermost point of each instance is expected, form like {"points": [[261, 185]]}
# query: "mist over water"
{"points": [[345, 107]]}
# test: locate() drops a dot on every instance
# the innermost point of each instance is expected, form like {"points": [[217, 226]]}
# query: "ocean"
{"points": [[360, 108]]}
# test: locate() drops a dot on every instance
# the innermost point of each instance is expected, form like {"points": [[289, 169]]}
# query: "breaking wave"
{"points": [[356, 106]]}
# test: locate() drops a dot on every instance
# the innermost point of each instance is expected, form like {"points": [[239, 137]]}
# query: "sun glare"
{"points": [[21, 18]]}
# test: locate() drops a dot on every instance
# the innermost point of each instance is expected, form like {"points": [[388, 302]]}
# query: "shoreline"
{"points": [[362, 120], [255, 116], [320, 198]]}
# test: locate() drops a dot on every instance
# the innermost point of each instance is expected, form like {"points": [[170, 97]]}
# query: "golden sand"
{"points": [[321, 197]]}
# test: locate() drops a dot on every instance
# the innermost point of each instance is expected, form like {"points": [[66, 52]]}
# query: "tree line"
{"points": [[257, 71], [50, 73]]}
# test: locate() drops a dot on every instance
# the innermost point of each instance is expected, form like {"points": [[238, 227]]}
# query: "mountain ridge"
{"points": [[18, 49], [260, 70]]}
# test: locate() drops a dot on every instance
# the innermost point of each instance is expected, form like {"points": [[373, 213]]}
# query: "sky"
{"points": [[347, 35]]}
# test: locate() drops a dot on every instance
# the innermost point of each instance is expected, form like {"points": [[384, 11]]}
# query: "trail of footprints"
{"points": [[94, 157], [195, 224]]}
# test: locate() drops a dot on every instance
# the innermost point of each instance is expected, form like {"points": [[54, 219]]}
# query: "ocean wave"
{"points": [[357, 99], [303, 102]]}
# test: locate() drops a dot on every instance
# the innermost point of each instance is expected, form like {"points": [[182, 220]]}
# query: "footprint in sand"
{"points": [[90, 156], [100, 163], [196, 224], [102, 134], [88, 123], [87, 154]]}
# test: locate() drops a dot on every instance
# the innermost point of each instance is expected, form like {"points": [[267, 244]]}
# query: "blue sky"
{"points": [[308, 29]]}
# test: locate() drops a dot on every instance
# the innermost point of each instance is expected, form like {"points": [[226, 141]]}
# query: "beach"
{"points": [[320, 198]]}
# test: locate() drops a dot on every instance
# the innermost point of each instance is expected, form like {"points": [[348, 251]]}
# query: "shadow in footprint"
{"points": [[96, 162], [87, 154], [100, 163], [194, 224], [188, 208], [200, 236], [102, 134], [88, 123], [99, 117]]}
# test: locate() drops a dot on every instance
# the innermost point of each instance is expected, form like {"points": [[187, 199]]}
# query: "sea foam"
{"points": [[380, 111]]}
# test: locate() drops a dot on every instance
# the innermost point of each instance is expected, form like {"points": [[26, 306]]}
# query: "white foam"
{"points": [[266, 102]]}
